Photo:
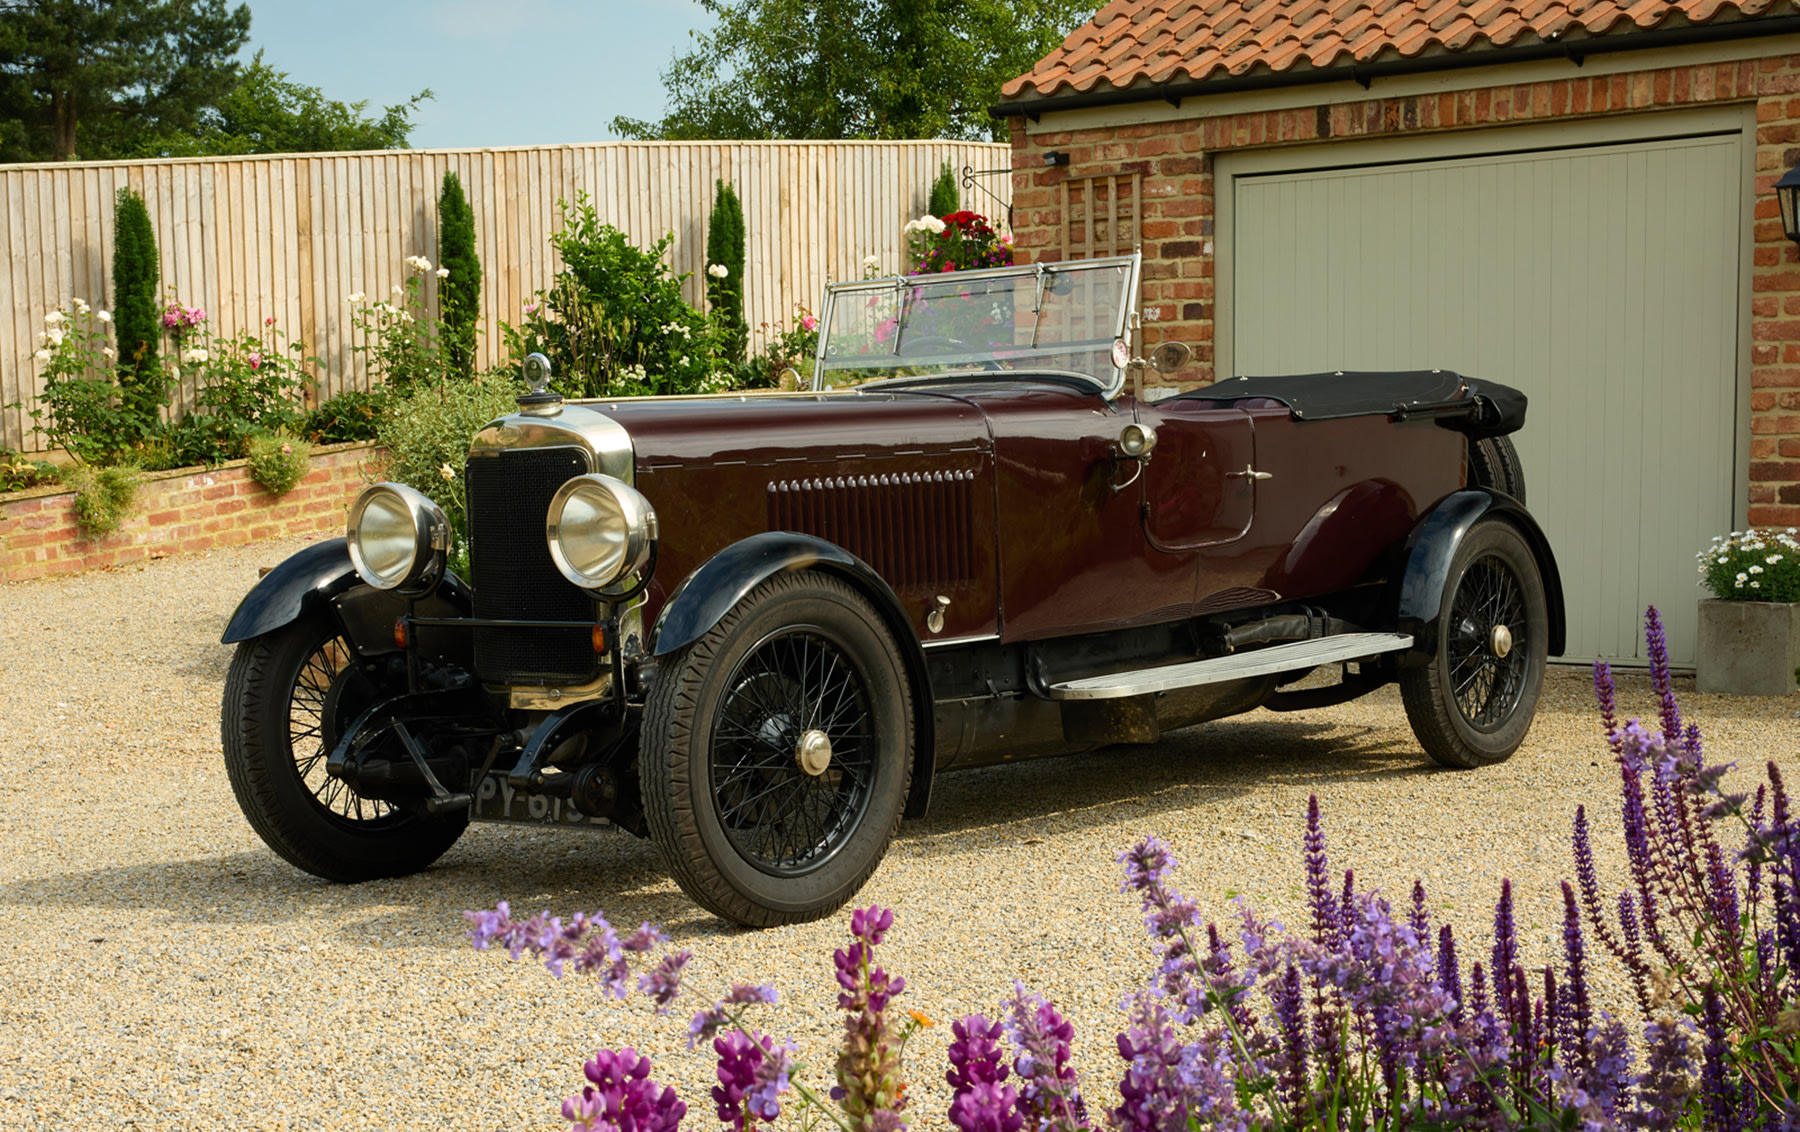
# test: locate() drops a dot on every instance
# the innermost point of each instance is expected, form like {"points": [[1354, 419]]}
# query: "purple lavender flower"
{"points": [[622, 1097], [663, 983], [489, 926], [1049, 1088]]}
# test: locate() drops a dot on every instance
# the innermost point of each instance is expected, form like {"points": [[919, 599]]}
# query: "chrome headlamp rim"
{"points": [[412, 562], [636, 533]]}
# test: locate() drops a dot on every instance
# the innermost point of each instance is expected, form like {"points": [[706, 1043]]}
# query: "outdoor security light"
{"points": [[1056, 157], [1787, 190]]}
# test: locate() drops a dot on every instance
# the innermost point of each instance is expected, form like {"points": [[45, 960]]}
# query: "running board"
{"points": [[1215, 670]]}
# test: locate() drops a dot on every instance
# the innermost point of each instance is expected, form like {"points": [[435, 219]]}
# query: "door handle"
{"points": [[1249, 473]]}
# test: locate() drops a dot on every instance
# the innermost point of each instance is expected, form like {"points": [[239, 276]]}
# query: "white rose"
{"points": [[81, 306], [933, 225], [55, 337], [357, 296], [443, 273], [42, 355], [718, 271], [54, 317], [399, 290], [418, 263], [871, 261], [108, 353], [195, 356], [103, 316]]}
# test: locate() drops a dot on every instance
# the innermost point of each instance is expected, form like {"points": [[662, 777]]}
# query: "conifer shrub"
{"points": [[459, 292], [725, 289], [136, 310]]}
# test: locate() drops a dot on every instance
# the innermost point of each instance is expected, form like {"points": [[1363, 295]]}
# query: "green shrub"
{"points": [[946, 197], [725, 270], [402, 343], [427, 438], [354, 414], [84, 408], [614, 323], [278, 461], [459, 292], [104, 497], [247, 385], [136, 310], [17, 473]]}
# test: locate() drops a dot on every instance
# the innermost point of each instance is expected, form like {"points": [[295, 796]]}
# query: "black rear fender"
{"points": [[1430, 549], [706, 595]]}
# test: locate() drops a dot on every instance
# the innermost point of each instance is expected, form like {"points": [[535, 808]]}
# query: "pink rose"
{"points": [[255, 361], [270, 321], [810, 323]]}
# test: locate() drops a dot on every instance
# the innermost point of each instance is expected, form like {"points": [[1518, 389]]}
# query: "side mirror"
{"points": [[1168, 357]]}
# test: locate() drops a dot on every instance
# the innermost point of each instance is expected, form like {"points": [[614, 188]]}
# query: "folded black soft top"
{"points": [[1479, 408]]}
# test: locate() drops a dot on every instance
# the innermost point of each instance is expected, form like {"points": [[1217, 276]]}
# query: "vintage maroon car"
{"points": [[755, 627]]}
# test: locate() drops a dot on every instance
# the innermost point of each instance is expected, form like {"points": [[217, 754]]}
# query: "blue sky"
{"points": [[505, 72]]}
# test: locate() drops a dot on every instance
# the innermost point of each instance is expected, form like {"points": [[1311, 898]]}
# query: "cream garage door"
{"points": [[1602, 280]]}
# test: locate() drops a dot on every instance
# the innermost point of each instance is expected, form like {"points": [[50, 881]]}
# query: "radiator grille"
{"points": [[514, 577], [915, 529]]}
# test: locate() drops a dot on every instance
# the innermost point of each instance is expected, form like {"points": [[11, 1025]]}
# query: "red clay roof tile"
{"points": [[1133, 41]]}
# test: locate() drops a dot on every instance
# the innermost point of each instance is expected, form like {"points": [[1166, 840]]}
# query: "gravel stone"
{"points": [[164, 970]]}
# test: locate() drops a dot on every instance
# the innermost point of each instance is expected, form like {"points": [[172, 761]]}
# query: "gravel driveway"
{"points": [[162, 969]]}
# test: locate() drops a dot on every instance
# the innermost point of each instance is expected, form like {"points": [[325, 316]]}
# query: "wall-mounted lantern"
{"points": [[1056, 158], [1787, 191]]}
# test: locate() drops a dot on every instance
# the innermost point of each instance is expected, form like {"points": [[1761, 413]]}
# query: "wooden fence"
{"points": [[291, 237]]}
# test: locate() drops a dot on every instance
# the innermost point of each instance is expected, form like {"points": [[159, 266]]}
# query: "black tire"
{"points": [[1494, 463], [1473, 704], [286, 697], [748, 833]]}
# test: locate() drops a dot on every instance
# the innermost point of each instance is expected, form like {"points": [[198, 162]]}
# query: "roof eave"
{"points": [[1574, 49]]}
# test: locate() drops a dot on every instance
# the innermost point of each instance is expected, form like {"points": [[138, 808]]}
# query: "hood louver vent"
{"points": [[915, 529]]}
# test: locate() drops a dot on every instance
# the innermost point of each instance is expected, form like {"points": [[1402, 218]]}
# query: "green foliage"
{"points": [[354, 414], [614, 323], [855, 68], [725, 247], [793, 347], [946, 197], [83, 408], [278, 461], [104, 497], [459, 294], [248, 385], [95, 78], [135, 274], [17, 473], [400, 340], [266, 112], [427, 438]]}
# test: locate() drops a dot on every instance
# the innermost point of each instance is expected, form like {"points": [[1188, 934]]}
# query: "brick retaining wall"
{"points": [[177, 511]]}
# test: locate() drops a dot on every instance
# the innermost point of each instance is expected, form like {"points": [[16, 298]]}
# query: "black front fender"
{"points": [[305, 581], [1433, 544], [706, 595]]}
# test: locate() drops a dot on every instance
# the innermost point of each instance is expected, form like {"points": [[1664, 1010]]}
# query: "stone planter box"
{"points": [[177, 511], [1748, 648]]}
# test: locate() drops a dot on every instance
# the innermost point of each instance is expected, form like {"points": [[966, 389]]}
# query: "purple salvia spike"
{"points": [[1658, 648], [1478, 995], [1604, 692], [1419, 919], [1718, 1092], [1589, 881], [1666, 1085], [1506, 946], [1318, 878], [1448, 973], [1290, 1020], [1723, 900], [1611, 1075], [1753, 861], [1635, 966], [1577, 1012], [1690, 742], [1347, 905]]}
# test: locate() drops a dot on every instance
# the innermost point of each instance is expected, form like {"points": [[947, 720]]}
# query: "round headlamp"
{"points": [[397, 538], [600, 529]]}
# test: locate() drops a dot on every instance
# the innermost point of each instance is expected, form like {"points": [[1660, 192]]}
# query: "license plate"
{"points": [[497, 800]]}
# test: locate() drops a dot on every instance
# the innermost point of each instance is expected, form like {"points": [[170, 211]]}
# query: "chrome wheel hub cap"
{"points": [[1500, 641], [813, 752]]}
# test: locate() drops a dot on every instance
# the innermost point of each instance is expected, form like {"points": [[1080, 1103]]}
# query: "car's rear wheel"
{"points": [[287, 697], [1473, 704], [776, 753]]}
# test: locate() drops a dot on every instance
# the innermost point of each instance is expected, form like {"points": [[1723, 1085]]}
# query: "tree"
{"points": [[725, 247], [267, 113], [945, 196], [460, 292], [135, 274], [92, 77], [855, 68]]}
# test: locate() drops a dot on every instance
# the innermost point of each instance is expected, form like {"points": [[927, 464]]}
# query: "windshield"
{"points": [[1042, 318]]}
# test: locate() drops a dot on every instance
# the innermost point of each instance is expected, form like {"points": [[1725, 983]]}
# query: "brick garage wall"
{"points": [[184, 510], [1175, 159]]}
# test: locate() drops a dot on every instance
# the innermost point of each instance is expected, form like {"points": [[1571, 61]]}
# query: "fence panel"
{"points": [[291, 237]]}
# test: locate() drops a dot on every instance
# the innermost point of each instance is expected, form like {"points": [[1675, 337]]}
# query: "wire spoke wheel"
{"points": [[1473, 704], [779, 816], [777, 750], [1486, 677], [325, 698]]}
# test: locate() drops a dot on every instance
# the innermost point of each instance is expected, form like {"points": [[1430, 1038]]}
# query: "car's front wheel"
{"points": [[777, 751], [1472, 705], [287, 697]]}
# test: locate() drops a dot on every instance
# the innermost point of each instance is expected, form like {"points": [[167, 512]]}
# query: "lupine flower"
{"points": [[1049, 1087], [622, 1097], [870, 1085]]}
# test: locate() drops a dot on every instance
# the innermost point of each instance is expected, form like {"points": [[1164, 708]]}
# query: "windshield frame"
{"points": [[1042, 275]]}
